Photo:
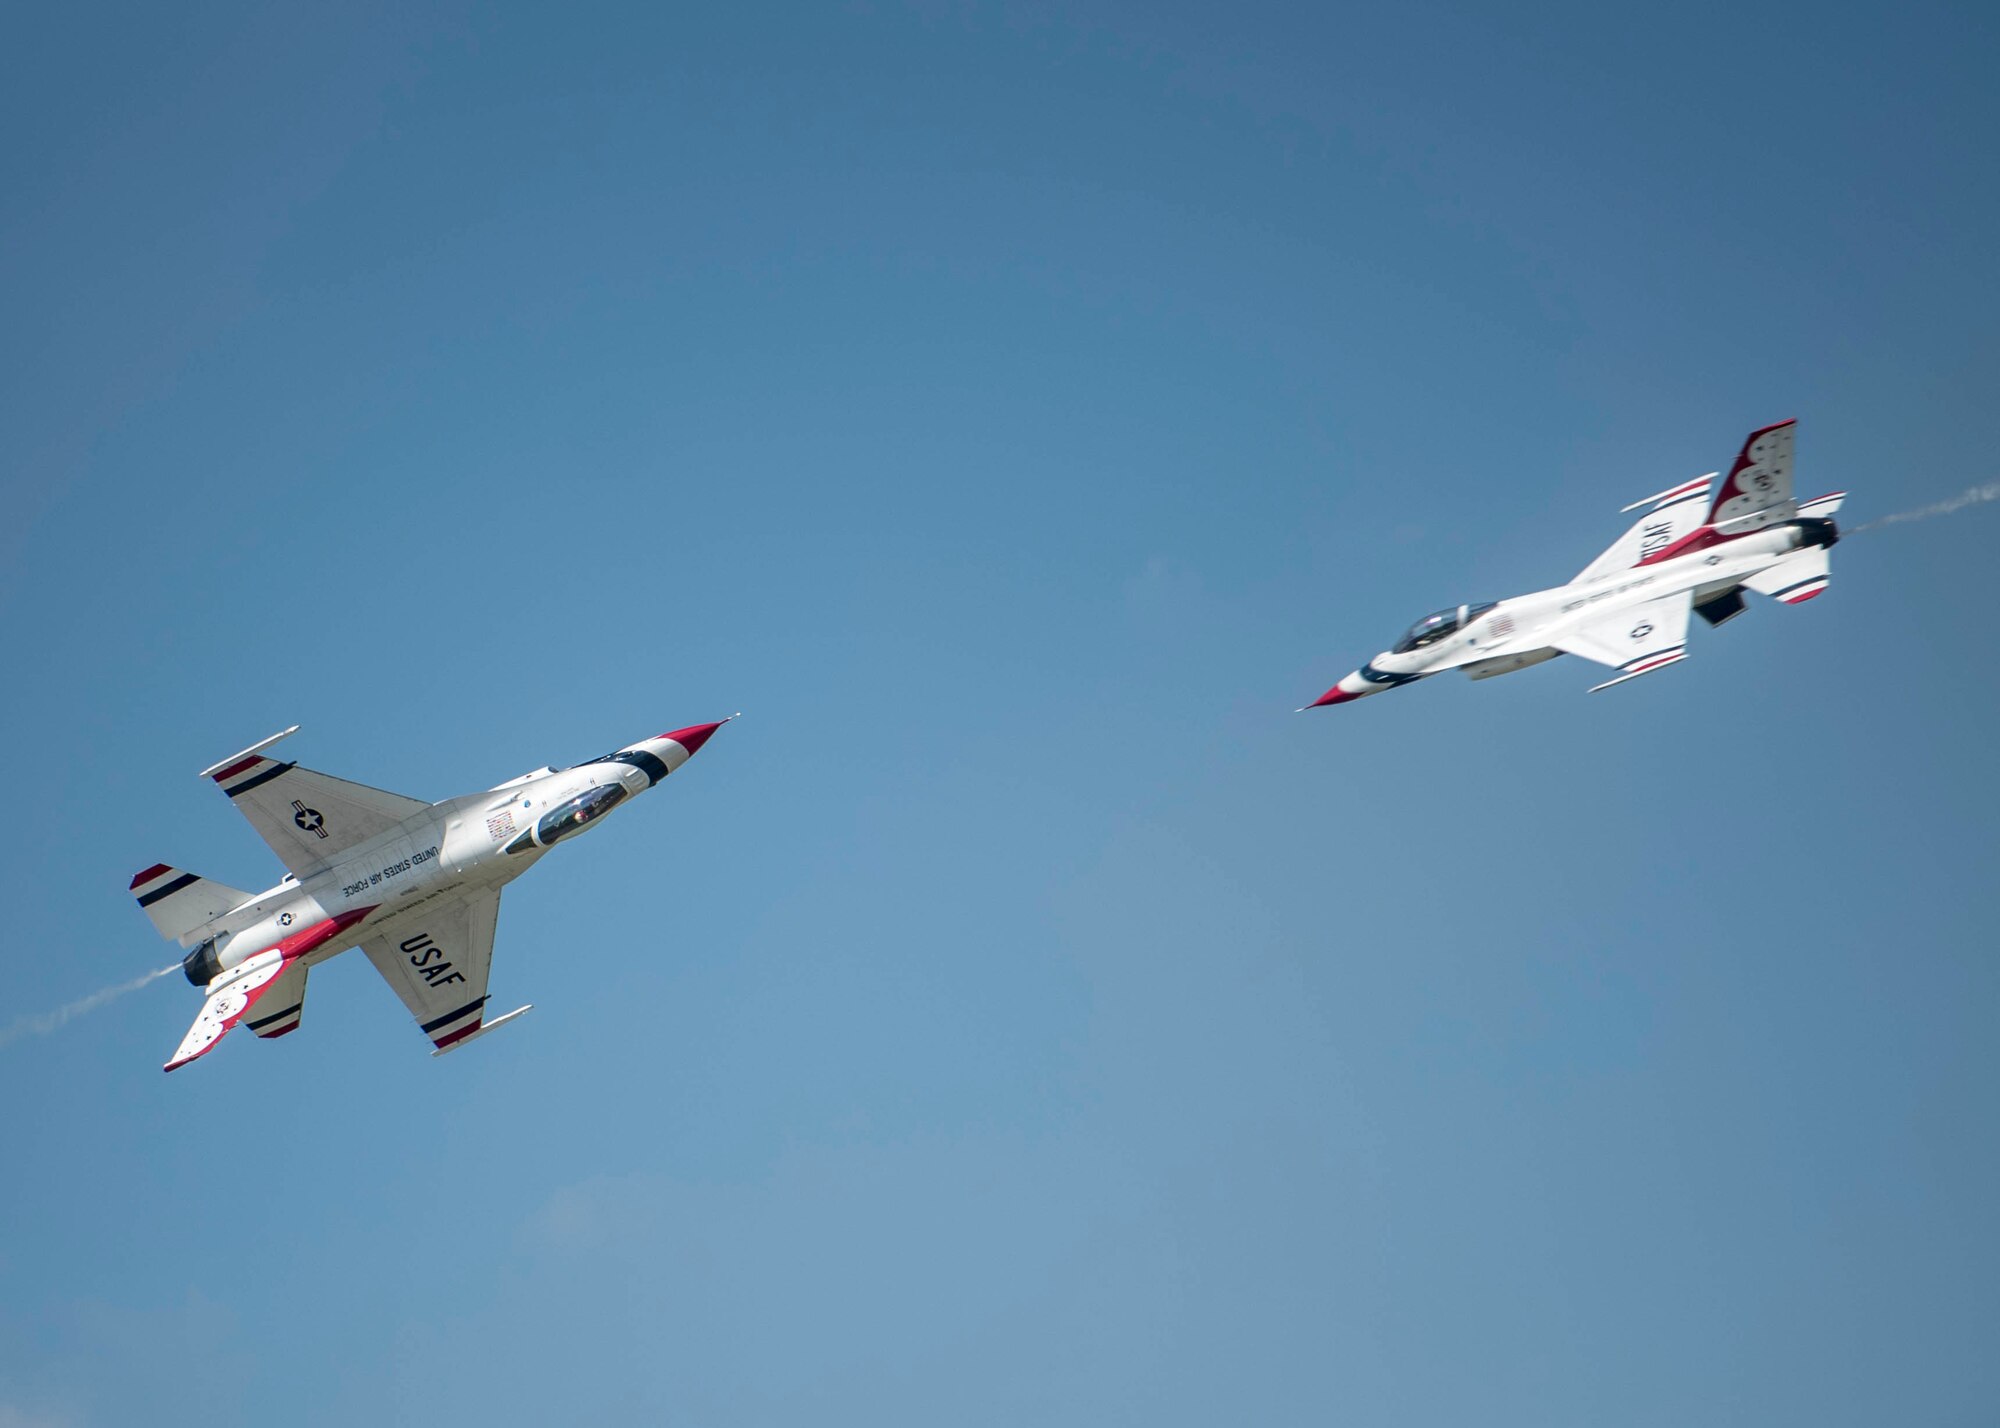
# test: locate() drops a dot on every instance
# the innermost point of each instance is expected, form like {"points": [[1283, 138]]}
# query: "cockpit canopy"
{"points": [[574, 816], [1432, 628]]}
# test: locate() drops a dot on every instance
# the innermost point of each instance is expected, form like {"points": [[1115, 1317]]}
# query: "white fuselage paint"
{"points": [[448, 850], [1528, 623]]}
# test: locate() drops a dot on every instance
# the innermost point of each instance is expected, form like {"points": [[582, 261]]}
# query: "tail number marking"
{"points": [[429, 960]]}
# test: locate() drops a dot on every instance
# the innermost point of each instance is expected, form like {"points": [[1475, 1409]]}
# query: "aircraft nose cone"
{"points": [[1335, 695], [695, 735]]}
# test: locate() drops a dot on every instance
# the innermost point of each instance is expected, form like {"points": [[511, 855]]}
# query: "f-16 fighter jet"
{"points": [[415, 884], [1691, 550]]}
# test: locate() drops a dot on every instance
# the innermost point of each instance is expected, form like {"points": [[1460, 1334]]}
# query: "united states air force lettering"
{"points": [[429, 960], [394, 870]]}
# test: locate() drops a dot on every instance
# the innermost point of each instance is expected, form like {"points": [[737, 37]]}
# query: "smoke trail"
{"points": [[47, 1022], [1977, 495]]}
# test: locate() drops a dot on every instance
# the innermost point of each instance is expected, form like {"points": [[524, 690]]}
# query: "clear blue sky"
{"points": [[1020, 1015]]}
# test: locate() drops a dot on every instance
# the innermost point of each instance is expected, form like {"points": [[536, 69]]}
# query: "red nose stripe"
{"points": [[1335, 695], [694, 736]]}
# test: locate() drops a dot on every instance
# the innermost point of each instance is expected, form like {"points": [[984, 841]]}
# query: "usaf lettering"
{"points": [[427, 957]]}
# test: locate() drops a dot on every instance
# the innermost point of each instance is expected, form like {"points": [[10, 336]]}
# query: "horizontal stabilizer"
{"points": [[230, 998], [282, 1004], [1795, 579], [180, 903], [272, 985], [1823, 506]]}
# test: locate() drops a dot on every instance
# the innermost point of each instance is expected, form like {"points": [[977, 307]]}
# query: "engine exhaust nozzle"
{"points": [[202, 966]]}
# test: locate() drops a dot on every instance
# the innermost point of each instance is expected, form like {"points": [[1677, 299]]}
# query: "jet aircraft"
{"points": [[415, 884], [1691, 550]]}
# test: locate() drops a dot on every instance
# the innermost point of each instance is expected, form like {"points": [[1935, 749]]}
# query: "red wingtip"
{"points": [[464, 1031], [236, 768], [694, 736]]}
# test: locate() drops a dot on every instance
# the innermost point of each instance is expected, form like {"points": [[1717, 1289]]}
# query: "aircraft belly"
{"points": [[1508, 663], [276, 921], [439, 859], [323, 954], [385, 872]]}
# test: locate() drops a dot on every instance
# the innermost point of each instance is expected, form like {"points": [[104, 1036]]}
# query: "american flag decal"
{"points": [[500, 824], [1502, 625]]}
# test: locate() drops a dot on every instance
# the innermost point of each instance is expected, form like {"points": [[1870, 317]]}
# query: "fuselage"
{"points": [[1515, 633], [449, 849]]}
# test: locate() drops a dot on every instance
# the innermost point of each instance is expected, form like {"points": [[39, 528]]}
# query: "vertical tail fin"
{"points": [[1758, 490]]}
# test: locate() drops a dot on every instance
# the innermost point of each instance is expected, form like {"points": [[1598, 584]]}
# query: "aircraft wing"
{"points": [[1669, 516], [436, 957], [308, 818], [1634, 639]]}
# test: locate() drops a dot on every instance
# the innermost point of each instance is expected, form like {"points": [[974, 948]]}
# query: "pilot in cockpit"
{"points": [[1432, 628]]}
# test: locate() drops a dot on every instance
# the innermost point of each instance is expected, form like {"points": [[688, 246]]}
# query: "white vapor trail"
{"points": [[47, 1022], [1977, 495]]}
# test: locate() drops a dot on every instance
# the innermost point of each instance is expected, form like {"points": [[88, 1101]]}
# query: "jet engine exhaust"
{"points": [[202, 966], [46, 1022], [1972, 496]]}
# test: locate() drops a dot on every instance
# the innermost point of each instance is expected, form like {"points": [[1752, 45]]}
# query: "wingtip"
{"points": [[473, 1033], [256, 748]]}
